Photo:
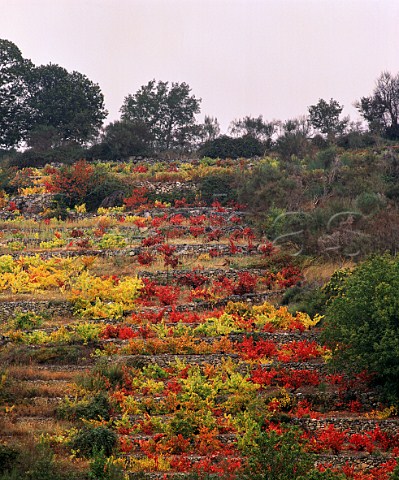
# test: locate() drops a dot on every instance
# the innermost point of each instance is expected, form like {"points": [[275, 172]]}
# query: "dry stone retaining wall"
{"points": [[9, 309]]}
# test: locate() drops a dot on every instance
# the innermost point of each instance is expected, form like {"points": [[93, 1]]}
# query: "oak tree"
{"points": [[13, 95], [168, 111]]}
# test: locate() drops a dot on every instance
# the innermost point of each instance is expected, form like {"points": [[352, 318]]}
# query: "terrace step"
{"points": [[46, 372], [58, 355], [39, 384], [181, 249], [163, 360], [250, 298], [343, 423], [360, 461], [351, 425], [280, 338], [30, 427]]}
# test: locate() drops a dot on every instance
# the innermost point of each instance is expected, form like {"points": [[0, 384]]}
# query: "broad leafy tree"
{"points": [[381, 109], [167, 110], [123, 139], [45, 106], [70, 103], [324, 117], [14, 116]]}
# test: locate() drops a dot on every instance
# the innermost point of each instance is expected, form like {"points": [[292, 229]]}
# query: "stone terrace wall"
{"points": [[9, 309]]}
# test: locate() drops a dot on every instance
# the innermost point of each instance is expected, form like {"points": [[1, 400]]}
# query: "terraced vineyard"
{"points": [[152, 340]]}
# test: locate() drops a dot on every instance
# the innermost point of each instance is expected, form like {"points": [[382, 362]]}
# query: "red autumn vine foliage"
{"points": [[218, 206], [166, 250], [197, 220], [251, 349], [235, 219], [286, 277], [174, 233], [223, 286], [196, 231], [145, 331], [212, 464], [12, 206], [216, 220], [382, 472], [152, 240], [184, 317], [295, 351], [299, 351], [267, 249], [181, 203], [149, 288], [180, 463], [215, 235], [145, 258], [247, 232], [140, 222], [137, 198], [176, 219], [167, 294], [168, 255], [233, 247], [140, 169], [290, 276], [361, 442], [304, 409], [246, 283], [192, 279], [125, 444], [158, 221], [347, 387], [288, 378], [74, 181], [118, 331], [329, 439], [148, 317]]}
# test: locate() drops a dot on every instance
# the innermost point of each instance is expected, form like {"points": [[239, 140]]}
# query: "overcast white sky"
{"points": [[242, 57]]}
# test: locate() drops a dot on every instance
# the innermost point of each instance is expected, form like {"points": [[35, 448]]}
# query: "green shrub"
{"points": [[8, 456], [368, 202], [27, 320], [395, 474], [362, 318], [326, 157], [37, 463], [182, 424], [326, 475], [89, 440], [217, 187], [102, 468], [44, 465], [278, 457], [228, 147], [311, 300], [91, 409]]}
